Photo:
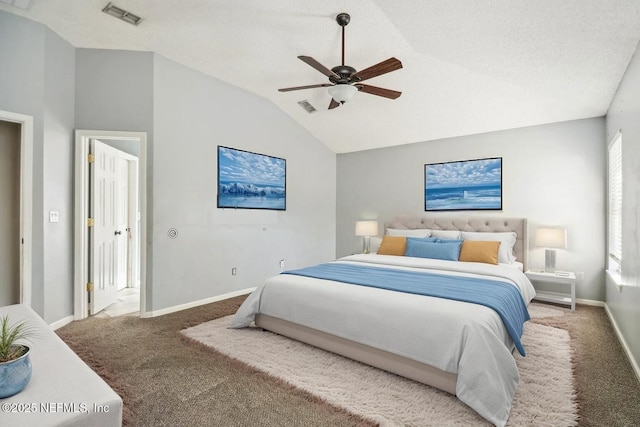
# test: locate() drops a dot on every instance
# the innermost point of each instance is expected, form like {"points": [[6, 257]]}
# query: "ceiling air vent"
{"points": [[128, 17], [307, 106], [20, 4]]}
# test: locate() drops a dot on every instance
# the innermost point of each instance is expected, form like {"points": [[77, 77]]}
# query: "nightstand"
{"points": [[568, 279]]}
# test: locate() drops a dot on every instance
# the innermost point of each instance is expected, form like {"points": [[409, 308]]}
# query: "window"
{"points": [[614, 231]]}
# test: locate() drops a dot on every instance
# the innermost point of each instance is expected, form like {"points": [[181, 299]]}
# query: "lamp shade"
{"points": [[342, 92], [551, 238], [366, 228]]}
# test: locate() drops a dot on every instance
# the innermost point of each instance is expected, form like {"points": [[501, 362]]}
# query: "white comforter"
{"points": [[465, 339]]}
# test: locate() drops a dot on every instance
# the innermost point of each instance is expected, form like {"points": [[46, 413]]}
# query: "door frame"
{"points": [[133, 265], [26, 200], [82, 137]]}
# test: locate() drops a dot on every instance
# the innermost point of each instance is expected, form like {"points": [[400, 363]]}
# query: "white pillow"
{"points": [[446, 234], [374, 244], [507, 242], [421, 232]]}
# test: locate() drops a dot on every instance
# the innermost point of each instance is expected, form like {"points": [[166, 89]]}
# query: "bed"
{"points": [[460, 347]]}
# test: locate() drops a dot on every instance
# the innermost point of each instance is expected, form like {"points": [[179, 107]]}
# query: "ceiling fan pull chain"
{"points": [[343, 45]]}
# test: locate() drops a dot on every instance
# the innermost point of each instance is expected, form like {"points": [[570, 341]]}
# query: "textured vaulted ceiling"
{"points": [[469, 66]]}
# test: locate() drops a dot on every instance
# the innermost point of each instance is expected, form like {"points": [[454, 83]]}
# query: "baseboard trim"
{"points": [[591, 302], [62, 322], [623, 342], [181, 307]]}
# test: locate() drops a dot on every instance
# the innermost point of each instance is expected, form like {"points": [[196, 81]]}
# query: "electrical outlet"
{"points": [[54, 216], [281, 263], [234, 271]]}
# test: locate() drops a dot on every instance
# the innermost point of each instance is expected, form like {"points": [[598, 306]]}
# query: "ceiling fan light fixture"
{"points": [[342, 92], [345, 80]]}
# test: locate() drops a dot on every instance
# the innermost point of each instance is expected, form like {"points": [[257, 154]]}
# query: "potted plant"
{"points": [[15, 366]]}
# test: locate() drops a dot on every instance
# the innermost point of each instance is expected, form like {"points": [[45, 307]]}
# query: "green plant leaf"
{"points": [[10, 335]]}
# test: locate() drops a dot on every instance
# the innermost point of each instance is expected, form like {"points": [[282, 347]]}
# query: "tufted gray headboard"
{"points": [[470, 223]]}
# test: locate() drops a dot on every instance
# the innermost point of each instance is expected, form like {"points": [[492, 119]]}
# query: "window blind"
{"points": [[615, 199]]}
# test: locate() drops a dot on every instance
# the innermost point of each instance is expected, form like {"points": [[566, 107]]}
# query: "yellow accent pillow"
{"points": [[479, 251], [393, 245]]}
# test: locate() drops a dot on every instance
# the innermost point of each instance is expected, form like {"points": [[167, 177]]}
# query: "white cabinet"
{"points": [[63, 390], [566, 285]]}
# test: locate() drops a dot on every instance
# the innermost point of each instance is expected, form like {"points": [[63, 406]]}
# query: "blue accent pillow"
{"points": [[437, 250], [441, 240], [423, 239]]}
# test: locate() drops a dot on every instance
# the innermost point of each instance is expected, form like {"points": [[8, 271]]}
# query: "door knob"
{"points": [[117, 233]]}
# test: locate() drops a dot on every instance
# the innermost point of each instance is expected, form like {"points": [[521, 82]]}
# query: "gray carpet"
{"points": [[608, 390], [166, 380]]}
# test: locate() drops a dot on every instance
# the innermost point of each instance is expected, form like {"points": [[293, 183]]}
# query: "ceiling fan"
{"points": [[345, 81]]}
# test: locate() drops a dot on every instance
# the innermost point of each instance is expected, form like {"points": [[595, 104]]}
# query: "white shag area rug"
{"points": [[538, 311], [545, 395]]}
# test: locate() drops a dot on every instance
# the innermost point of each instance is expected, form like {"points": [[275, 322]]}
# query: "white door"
{"points": [[133, 248], [103, 259]]}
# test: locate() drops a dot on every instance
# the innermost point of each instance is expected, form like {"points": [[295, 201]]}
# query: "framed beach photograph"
{"points": [[463, 185], [249, 180]]}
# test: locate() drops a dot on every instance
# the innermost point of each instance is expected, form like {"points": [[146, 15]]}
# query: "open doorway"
{"points": [[114, 234], [17, 201], [110, 221], [9, 213]]}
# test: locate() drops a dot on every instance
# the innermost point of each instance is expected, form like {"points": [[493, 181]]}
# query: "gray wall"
{"points": [[624, 114], [58, 175], [186, 114], [193, 114], [114, 92], [123, 145], [552, 175], [36, 79], [22, 44]]}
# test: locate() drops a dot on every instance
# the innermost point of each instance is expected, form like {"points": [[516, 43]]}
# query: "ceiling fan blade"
{"points": [[333, 104], [318, 66], [383, 67], [287, 89], [380, 91]]}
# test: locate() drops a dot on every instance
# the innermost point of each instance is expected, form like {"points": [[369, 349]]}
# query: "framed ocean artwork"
{"points": [[463, 185], [249, 180]]}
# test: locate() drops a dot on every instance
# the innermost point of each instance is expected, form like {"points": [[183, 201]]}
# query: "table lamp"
{"points": [[550, 239], [366, 229]]}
